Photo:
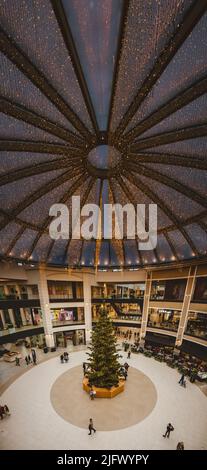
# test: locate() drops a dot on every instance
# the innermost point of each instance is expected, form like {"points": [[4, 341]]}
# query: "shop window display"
{"points": [[67, 316], [127, 312], [200, 291], [164, 318], [197, 325], [119, 291], [65, 290], [172, 290]]}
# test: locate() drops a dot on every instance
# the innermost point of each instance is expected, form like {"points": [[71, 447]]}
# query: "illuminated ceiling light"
{"points": [[173, 258], [193, 254]]}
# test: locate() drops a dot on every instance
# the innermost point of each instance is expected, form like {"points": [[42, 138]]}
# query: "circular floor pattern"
{"points": [[73, 404]]}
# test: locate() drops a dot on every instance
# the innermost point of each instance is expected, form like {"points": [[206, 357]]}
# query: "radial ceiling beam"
{"points": [[99, 240], [130, 197], [39, 147], [113, 192], [170, 137], [171, 245], [169, 159], [69, 194], [63, 200], [14, 53], [36, 169], [168, 181], [179, 101], [183, 30], [14, 241], [160, 203], [54, 183], [84, 199], [30, 117], [123, 22], [71, 48]]}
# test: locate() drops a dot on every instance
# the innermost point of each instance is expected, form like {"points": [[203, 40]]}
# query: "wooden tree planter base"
{"points": [[104, 392]]}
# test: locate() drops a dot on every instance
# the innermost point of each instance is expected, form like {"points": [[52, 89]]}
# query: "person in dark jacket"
{"points": [[168, 430], [90, 427], [182, 379], [62, 359], [180, 446], [34, 357]]}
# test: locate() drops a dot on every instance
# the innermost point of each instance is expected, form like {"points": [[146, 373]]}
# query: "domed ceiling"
{"points": [[105, 99]]}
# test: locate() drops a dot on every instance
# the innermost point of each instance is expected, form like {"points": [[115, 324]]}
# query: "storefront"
{"points": [[65, 339], [197, 325], [119, 311], [171, 290], [64, 316], [164, 318], [118, 291]]}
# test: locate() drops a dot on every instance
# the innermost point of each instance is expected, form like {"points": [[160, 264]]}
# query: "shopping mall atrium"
{"points": [[105, 101]]}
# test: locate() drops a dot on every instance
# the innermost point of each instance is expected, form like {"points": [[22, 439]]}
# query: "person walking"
{"points": [[26, 360], [6, 411], [62, 359], [129, 355], [1, 412], [182, 379], [34, 357], [90, 427], [29, 359], [168, 430], [180, 446], [17, 361]]}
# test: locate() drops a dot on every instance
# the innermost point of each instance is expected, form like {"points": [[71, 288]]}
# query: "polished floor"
{"points": [[34, 423], [73, 404]]}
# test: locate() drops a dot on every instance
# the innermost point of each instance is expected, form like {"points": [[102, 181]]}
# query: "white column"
{"points": [[2, 318], [12, 317], [45, 307], [21, 309], [186, 305], [11, 313], [145, 308], [87, 305]]}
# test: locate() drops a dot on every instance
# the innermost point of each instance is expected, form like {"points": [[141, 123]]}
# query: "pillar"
{"points": [[11, 313], [2, 318], [22, 314], [87, 305], [145, 308], [45, 307], [186, 303]]}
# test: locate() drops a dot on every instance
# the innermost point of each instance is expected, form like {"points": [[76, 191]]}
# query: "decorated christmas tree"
{"points": [[103, 355]]}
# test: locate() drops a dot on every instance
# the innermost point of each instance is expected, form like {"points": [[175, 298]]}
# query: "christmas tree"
{"points": [[103, 357]]}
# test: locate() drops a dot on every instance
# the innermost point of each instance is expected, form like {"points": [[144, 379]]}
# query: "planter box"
{"points": [[104, 392]]}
